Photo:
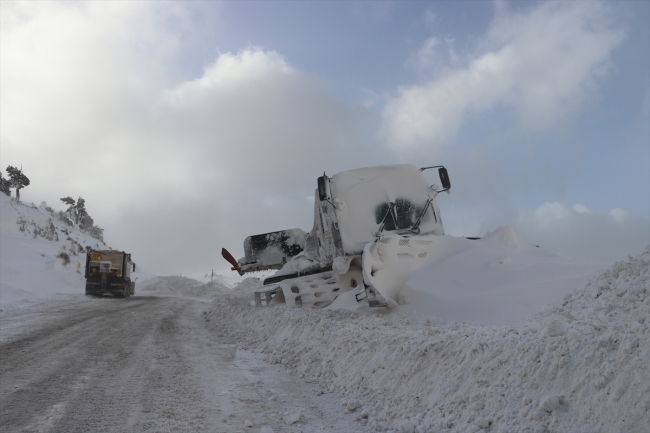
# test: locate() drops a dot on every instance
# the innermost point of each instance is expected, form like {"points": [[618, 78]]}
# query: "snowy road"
{"points": [[146, 364]]}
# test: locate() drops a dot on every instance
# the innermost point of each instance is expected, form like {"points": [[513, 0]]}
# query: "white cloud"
{"points": [[166, 167], [540, 64], [548, 213], [590, 236], [436, 56], [93, 104], [580, 208], [619, 214]]}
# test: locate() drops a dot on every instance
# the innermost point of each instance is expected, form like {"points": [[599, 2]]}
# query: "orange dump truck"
{"points": [[109, 272]]}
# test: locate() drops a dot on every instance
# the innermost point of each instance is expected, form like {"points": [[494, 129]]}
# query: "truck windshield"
{"points": [[407, 214]]}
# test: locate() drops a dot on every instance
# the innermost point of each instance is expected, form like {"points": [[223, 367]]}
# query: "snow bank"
{"points": [[497, 280], [580, 366], [179, 286]]}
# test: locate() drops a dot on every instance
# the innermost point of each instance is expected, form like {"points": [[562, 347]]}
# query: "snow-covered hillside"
{"points": [[33, 250]]}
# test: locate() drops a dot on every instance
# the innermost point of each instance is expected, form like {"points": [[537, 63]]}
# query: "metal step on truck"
{"points": [[108, 272], [369, 225]]}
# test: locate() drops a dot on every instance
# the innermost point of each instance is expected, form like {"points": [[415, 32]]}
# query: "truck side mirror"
{"points": [[322, 188], [134, 267], [444, 178]]}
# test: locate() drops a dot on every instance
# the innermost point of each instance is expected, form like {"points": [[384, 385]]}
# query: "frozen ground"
{"points": [[146, 364]]}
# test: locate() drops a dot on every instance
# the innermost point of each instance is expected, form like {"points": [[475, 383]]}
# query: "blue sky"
{"points": [[195, 124]]}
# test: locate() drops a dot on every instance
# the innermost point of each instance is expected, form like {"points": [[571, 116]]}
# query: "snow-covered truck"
{"points": [[109, 272], [358, 214]]}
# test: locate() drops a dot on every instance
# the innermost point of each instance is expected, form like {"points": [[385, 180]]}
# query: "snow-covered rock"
{"points": [[293, 416]]}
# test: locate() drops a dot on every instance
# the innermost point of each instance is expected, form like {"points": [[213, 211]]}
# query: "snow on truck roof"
{"points": [[362, 190]]}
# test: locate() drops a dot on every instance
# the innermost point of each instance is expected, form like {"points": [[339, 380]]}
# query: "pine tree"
{"points": [[68, 200], [77, 214], [18, 179], [70, 214], [5, 185], [81, 210], [83, 219]]}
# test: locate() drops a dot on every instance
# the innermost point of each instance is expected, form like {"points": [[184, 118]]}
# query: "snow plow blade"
{"points": [[235, 266]]}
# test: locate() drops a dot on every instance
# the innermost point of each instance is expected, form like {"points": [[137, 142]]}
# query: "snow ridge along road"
{"points": [[579, 366], [146, 364]]}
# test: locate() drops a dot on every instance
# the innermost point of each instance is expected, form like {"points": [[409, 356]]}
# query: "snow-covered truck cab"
{"points": [[109, 272], [351, 209]]}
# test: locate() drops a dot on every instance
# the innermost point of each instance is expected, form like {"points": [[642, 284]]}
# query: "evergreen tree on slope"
{"points": [[18, 179], [5, 185]]}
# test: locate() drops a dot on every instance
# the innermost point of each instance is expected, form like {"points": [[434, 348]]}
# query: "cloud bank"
{"points": [[95, 101], [580, 233], [539, 64], [196, 164]]}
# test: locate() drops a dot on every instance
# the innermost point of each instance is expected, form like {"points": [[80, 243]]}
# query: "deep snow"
{"points": [[497, 280], [580, 366]]}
